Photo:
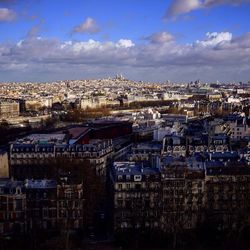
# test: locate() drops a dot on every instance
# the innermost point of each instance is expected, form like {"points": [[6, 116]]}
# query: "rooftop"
{"points": [[42, 139], [35, 184], [134, 168]]}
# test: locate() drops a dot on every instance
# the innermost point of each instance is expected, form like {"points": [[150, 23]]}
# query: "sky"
{"points": [[149, 40]]}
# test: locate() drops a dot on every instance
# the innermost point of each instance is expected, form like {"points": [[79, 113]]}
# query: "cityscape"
{"points": [[142, 143]]}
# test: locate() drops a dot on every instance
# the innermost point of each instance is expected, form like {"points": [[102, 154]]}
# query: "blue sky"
{"points": [[143, 39]]}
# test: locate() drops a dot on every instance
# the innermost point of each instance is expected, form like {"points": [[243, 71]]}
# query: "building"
{"points": [[227, 196], [40, 205], [136, 196], [182, 198], [8, 108], [239, 127], [70, 205], [29, 154], [12, 207], [4, 165], [173, 195]]}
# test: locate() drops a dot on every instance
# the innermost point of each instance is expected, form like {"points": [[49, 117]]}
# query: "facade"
{"points": [[4, 165], [40, 205], [70, 205], [12, 207], [8, 108], [41, 152], [136, 196], [182, 197], [239, 127], [173, 198], [227, 196]]}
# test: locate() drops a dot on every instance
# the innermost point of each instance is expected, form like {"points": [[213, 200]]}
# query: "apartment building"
{"points": [[12, 207], [42, 149], [227, 196], [182, 198], [136, 190], [8, 108], [34, 205], [173, 197], [4, 164]]}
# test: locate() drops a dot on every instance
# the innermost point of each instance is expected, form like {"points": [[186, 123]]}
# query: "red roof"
{"points": [[76, 132]]}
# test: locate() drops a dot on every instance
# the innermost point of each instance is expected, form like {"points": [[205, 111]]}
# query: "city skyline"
{"points": [[171, 40]]}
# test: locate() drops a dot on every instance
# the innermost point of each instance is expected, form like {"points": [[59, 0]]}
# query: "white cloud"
{"points": [[88, 26], [218, 56], [7, 15], [215, 38], [126, 43]]}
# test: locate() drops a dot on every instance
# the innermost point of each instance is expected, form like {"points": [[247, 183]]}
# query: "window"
{"points": [[18, 191], [119, 203], [137, 178], [128, 177]]}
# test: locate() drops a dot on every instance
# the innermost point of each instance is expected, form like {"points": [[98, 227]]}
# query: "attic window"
{"points": [[137, 178]]}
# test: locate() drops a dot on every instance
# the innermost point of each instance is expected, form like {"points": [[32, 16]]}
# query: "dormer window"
{"points": [[18, 191], [137, 178]]}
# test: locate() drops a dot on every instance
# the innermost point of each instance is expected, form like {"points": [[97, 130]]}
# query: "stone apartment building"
{"points": [[40, 205], [136, 190], [227, 191], [239, 126], [41, 209], [182, 198], [4, 165], [12, 207], [8, 108], [70, 205], [28, 154]]}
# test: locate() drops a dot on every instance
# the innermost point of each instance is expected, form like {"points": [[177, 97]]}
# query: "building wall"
{"points": [[136, 205], [227, 200], [55, 207], [4, 165], [186, 199], [9, 109], [12, 209]]}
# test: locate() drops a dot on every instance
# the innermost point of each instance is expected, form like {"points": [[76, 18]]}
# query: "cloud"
{"points": [[126, 43], [215, 38], [88, 26], [219, 55], [7, 15], [178, 7], [209, 3], [160, 37]]}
